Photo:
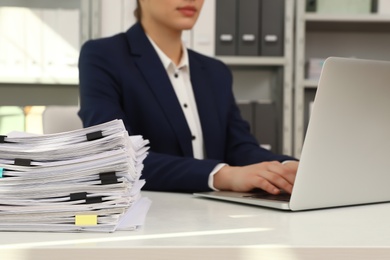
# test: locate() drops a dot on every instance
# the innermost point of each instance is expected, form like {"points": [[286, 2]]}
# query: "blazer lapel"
{"points": [[207, 110], [158, 81]]}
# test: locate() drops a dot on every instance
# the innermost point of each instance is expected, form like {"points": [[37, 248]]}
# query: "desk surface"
{"points": [[181, 226]]}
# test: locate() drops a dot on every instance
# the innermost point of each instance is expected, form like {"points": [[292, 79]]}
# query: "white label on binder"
{"points": [[271, 38], [248, 37], [226, 37]]}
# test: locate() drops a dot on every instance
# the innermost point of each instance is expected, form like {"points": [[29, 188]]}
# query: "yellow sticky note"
{"points": [[86, 220]]}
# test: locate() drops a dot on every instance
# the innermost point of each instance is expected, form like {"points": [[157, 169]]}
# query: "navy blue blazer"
{"points": [[122, 77]]}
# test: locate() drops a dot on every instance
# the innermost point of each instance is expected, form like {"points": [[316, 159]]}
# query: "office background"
{"points": [[275, 49]]}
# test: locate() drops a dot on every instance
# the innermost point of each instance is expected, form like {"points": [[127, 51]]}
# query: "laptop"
{"points": [[345, 158]]}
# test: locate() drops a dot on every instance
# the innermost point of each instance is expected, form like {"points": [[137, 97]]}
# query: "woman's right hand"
{"points": [[269, 176]]}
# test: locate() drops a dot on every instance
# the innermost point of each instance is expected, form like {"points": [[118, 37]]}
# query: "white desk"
{"points": [[180, 226]]}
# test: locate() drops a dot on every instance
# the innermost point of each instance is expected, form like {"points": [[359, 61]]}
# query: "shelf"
{"points": [[40, 81], [310, 83], [69, 4], [366, 18], [359, 23], [253, 61]]}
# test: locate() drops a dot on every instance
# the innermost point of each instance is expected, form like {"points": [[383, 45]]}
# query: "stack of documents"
{"points": [[82, 180], [314, 68]]}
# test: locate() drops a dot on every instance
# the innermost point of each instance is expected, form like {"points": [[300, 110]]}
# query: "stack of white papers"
{"points": [[82, 180]]}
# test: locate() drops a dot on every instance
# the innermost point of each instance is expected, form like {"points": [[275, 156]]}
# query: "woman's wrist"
{"points": [[223, 178]]}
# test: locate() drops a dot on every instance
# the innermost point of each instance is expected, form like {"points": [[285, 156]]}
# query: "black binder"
{"points": [[225, 32], [247, 113], [248, 27], [272, 27], [266, 125]]}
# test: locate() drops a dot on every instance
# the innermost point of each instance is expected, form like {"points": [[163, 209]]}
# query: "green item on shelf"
{"points": [[344, 6]]}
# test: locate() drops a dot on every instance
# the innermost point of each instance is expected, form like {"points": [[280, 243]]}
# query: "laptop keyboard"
{"points": [[284, 196]]}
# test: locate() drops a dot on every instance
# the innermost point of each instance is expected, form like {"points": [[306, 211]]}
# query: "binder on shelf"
{"points": [[383, 7], [3, 44], [248, 27], [203, 33], [60, 32], [50, 43], [33, 42], [127, 13], [266, 124], [225, 32], [247, 112], [116, 16], [111, 17], [69, 32], [272, 27], [12, 27]]}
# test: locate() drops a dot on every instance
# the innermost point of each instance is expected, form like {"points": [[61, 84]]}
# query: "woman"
{"points": [[179, 100]]}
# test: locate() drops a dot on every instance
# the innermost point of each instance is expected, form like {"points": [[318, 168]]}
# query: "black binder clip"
{"points": [[22, 162], [108, 178], [78, 196], [93, 200], [94, 135], [2, 139]]}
